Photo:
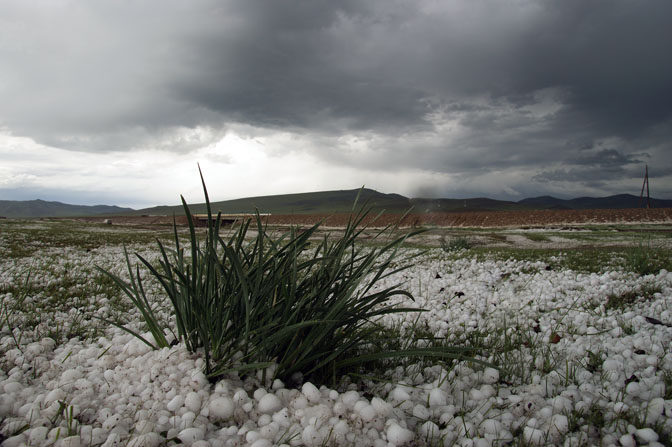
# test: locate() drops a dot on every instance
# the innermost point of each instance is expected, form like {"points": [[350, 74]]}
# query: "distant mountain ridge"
{"points": [[334, 202], [330, 202], [619, 201], [42, 208]]}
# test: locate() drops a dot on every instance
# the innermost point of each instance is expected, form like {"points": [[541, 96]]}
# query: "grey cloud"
{"points": [[606, 158], [463, 87]]}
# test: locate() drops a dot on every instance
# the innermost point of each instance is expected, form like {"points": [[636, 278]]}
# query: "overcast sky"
{"points": [[114, 102]]}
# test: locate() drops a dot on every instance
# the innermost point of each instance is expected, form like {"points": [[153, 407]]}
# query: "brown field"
{"points": [[482, 219]]}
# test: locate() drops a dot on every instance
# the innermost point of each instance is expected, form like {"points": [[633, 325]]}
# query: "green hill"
{"points": [[42, 208], [334, 202], [325, 202]]}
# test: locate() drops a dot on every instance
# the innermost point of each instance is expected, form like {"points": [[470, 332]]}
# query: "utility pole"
{"points": [[646, 183]]}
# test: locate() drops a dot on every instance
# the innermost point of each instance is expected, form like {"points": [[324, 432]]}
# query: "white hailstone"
{"points": [[111, 422], [311, 436], [490, 375], [341, 429], [476, 394], [259, 393], [561, 404], [85, 432], [240, 396], [252, 436], [191, 435], [645, 435], [70, 441], [491, 426], [113, 440], [339, 408], [366, 412], [193, 402], [381, 407], [633, 388], [277, 384], [559, 424], [421, 412], [15, 441], [627, 441], [611, 365], [282, 417], [70, 375], [201, 443], [350, 398], [144, 426], [620, 407], [146, 440], [262, 443], [221, 408], [270, 430], [311, 392], [398, 435], [545, 413], [429, 430], [269, 404], [533, 436], [98, 435], [54, 396], [12, 386], [437, 398], [398, 395], [38, 435], [488, 390], [175, 403], [655, 410], [264, 419]]}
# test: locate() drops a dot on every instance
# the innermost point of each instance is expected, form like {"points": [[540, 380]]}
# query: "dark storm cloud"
{"points": [[457, 87]]}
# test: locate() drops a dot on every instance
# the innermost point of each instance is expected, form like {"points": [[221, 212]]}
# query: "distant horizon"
{"points": [[322, 191]]}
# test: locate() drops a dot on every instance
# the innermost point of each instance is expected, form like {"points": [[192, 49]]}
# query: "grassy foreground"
{"points": [[50, 290]]}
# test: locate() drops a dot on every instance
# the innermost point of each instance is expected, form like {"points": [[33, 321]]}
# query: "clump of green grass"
{"points": [[537, 237], [284, 305], [455, 244], [647, 259], [622, 300]]}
